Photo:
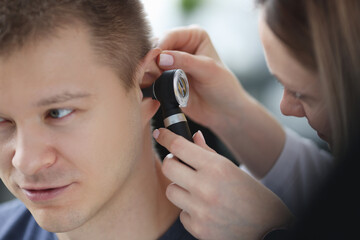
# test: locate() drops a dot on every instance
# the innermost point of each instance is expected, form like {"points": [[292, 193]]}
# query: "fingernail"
{"points": [[156, 133], [201, 135], [166, 60], [170, 155]]}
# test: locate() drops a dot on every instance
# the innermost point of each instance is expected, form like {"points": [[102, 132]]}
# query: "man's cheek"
{"points": [[6, 179], [5, 165]]}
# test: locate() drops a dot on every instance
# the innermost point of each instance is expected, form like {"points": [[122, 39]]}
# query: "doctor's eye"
{"points": [[298, 95], [59, 113]]}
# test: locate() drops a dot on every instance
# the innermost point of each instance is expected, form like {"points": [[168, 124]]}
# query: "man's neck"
{"points": [[139, 211]]}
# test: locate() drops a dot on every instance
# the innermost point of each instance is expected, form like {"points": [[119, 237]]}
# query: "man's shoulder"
{"points": [[18, 223], [11, 206], [11, 212]]}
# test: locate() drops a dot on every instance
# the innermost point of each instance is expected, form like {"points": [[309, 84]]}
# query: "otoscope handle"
{"points": [[175, 121], [182, 129], [178, 124]]}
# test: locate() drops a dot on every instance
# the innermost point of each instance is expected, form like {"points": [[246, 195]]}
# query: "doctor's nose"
{"points": [[32, 153], [291, 106]]}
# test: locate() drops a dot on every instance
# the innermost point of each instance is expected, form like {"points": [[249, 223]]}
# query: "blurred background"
{"points": [[232, 25]]}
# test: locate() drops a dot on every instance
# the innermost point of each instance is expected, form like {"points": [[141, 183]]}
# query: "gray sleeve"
{"points": [[299, 171]]}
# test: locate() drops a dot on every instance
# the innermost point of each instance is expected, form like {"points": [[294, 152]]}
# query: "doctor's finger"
{"points": [[188, 152], [201, 68], [185, 219], [179, 196], [178, 172], [199, 140]]}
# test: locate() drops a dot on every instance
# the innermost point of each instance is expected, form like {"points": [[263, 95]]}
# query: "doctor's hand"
{"points": [[216, 94], [219, 102], [218, 199]]}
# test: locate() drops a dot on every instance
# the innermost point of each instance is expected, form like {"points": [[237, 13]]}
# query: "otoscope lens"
{"points": [[182, 87]]}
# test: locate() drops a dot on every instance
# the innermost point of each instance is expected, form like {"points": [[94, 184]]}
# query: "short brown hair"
{"points": [[119, 31], [324, 36]]}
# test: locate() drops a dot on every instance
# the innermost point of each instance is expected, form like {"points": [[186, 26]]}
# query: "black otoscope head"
{"points": [[171, 89]]}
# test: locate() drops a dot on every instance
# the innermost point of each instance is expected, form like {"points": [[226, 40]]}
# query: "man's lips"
{"points": [[38, 194]]}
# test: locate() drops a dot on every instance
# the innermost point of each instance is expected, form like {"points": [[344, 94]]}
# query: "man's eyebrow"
{"points": [[60, 98]]}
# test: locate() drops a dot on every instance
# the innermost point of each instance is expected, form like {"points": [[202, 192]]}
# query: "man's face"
{"points": [[69, 131]]}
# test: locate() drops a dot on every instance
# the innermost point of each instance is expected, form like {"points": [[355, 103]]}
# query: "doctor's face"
{"points": [[69, 131], [302, 96]]}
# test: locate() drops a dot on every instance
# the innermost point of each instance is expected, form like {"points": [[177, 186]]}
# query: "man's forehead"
{"points": [[62, 32], [54, 70], [67, 46]]}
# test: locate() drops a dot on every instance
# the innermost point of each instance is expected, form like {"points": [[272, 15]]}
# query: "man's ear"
{"points": [[149, 72], [149, 68]]}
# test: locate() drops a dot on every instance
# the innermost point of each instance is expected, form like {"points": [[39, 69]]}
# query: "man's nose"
{"points": [[291, 106], [33, 152]]}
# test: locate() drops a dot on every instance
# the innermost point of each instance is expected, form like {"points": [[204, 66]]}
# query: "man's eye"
{"points": [[59, 113], [3, 120]]}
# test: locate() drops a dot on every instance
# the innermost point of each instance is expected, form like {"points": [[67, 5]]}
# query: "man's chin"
{"points": [[57, 221]]}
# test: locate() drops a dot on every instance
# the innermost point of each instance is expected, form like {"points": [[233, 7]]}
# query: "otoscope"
{"points": [[171, 89]]}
